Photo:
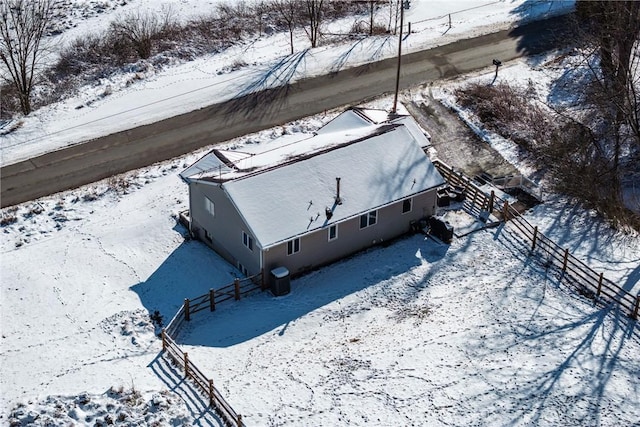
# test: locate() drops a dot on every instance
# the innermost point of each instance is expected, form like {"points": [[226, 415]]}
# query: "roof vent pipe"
{"points": [[338, 199], [328, 212]]}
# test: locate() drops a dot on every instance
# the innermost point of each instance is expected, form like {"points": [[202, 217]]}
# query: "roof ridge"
{"points": [[382, 129]]}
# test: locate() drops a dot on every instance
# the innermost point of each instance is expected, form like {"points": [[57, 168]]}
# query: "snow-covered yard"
{"points": [[415, 333], [420, 333]]}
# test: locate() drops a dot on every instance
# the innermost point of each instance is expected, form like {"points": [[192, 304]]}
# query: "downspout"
{"points": [[262, 260]]}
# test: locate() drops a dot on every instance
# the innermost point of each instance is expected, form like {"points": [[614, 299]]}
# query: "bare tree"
{"points": [[23, 26], [394, 16], [612, 29], [140, 28], [260, 8], [287, 10], [314, 16]]}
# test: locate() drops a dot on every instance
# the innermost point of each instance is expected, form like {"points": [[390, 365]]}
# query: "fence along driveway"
{"points": [[587, 281]]}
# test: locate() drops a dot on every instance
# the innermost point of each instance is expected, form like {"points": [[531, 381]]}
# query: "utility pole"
{"points": [[395, 96]]}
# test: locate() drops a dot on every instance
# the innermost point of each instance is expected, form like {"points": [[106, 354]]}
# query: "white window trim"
{"points": [[247, 241], [209, 206], [370, 215], [329, 233], [410, 205], [293, 247], [243, 269]]}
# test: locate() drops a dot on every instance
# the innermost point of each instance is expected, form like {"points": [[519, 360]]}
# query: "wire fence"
{"points": [[586, 280], [234, 291]]}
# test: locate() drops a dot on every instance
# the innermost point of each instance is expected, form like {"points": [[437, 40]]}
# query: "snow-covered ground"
{"points": [[421, 333], [146, 94], [416, 333], [583, 232]]}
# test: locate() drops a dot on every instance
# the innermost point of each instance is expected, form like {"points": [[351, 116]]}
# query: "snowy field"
{"points": [[145, 94], [420, 333], [416, 333]]}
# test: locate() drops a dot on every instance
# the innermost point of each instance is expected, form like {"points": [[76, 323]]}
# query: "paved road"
{"points": [[142, 146]]}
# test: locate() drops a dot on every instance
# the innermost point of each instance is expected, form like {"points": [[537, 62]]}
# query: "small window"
{"points": [[242, 269], [247, 240], [368, 219], [333, 232], [293, 246], [209, 206], [406, 205]]}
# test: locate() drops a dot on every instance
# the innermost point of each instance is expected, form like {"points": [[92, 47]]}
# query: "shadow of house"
{"points": [[190, 270], [262, 313]]}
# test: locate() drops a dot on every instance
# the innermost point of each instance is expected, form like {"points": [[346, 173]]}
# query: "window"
{"points": [[293, 246], [406, 205], [208, 205], [247, 240], [368, 219], [333, 232], [242, 269]]}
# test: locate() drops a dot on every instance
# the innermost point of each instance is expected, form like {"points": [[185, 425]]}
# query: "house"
{"points": [[305, 200]]}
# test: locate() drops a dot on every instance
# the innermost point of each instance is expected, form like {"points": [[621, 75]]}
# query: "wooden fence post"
{"points": [[564, 261], [212, 299], [187, 315], [186, 364], [239, 421], [164, 341], [634, 316], [493, 195], [211, 396], [535, 237], [505, 211], [236, 285], [600, 284]]}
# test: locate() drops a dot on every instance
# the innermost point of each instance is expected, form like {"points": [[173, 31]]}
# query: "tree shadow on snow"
{"points": [[267, 89], [237, 322], [596, 241], [539, 36], [559, 360]]}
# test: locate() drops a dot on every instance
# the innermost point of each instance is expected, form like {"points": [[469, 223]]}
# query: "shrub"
{"points": [[566, 147]]}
